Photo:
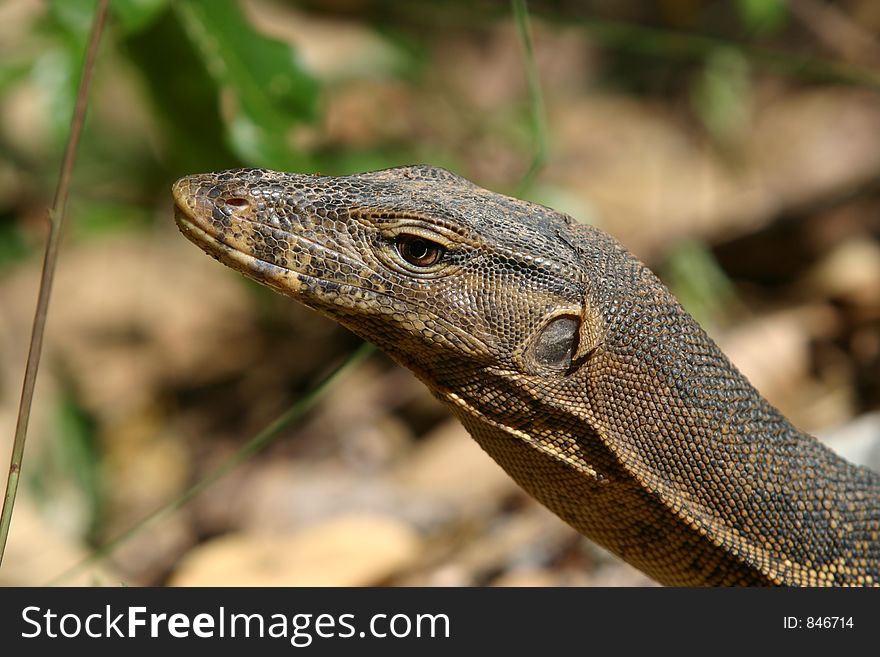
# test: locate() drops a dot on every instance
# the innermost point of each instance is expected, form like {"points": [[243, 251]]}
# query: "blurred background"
{"points": [[733, 146]]}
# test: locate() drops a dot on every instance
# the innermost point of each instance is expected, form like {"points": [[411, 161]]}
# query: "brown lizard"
{"points": [[565, 358]]}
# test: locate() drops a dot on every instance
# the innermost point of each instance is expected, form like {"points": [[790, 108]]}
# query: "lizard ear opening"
{"points": [[565, 340], [555, 345]]}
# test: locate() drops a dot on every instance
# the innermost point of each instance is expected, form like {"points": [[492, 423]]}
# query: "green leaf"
{"points": [[55, 77], [268, 90], [67, 477], [13, 245], [79, 455], [136, 15], [93, 218], [182, 96], [11, 71], [55, 73], [695, 277], [75, 17], [762, 16], [722, 95]]}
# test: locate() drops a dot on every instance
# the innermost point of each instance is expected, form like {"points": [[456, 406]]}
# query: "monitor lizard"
{"points": [[565, 358]]}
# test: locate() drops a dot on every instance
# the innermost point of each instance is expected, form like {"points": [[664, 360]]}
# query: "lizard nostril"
{"points": [[237, 202]]}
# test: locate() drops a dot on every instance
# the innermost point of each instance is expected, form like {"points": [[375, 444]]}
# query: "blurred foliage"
{"points": [[763, 16], [71, 459], [722, 95], [215, 92], [693, 275], [12, 244], [269, 89]]}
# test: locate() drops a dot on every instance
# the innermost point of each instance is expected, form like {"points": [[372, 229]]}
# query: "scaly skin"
{"points": [[565, 358]]}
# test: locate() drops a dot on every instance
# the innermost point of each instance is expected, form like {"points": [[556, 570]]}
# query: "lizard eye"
{"points": [[418, 251]]}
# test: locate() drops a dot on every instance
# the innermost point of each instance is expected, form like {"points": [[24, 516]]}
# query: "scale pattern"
{"points": [[566, 359]]}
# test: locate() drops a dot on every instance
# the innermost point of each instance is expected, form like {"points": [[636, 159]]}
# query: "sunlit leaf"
{"points": [[268, 90], [722, 95], [74, 16], [135, 15], [762, 16], [54, 75], [695, 277]]}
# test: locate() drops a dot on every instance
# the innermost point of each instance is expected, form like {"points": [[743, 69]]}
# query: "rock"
{"points": [[346, 551], [37, 552], [851, 271], [857, 441], [448, 463]]}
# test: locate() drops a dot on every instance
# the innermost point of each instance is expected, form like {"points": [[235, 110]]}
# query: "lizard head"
{"points": [[425, 264], [563, 355]]}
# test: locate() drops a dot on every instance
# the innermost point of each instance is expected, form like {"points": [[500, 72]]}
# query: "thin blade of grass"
{"points": [[536, 96], [56, 221], [246, 451]]}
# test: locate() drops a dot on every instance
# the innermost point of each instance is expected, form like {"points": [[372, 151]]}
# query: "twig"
{"points": [[56, 220]]}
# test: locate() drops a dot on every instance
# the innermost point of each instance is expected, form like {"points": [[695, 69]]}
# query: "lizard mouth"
{"points": [[184, 218], [260, 270]]}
